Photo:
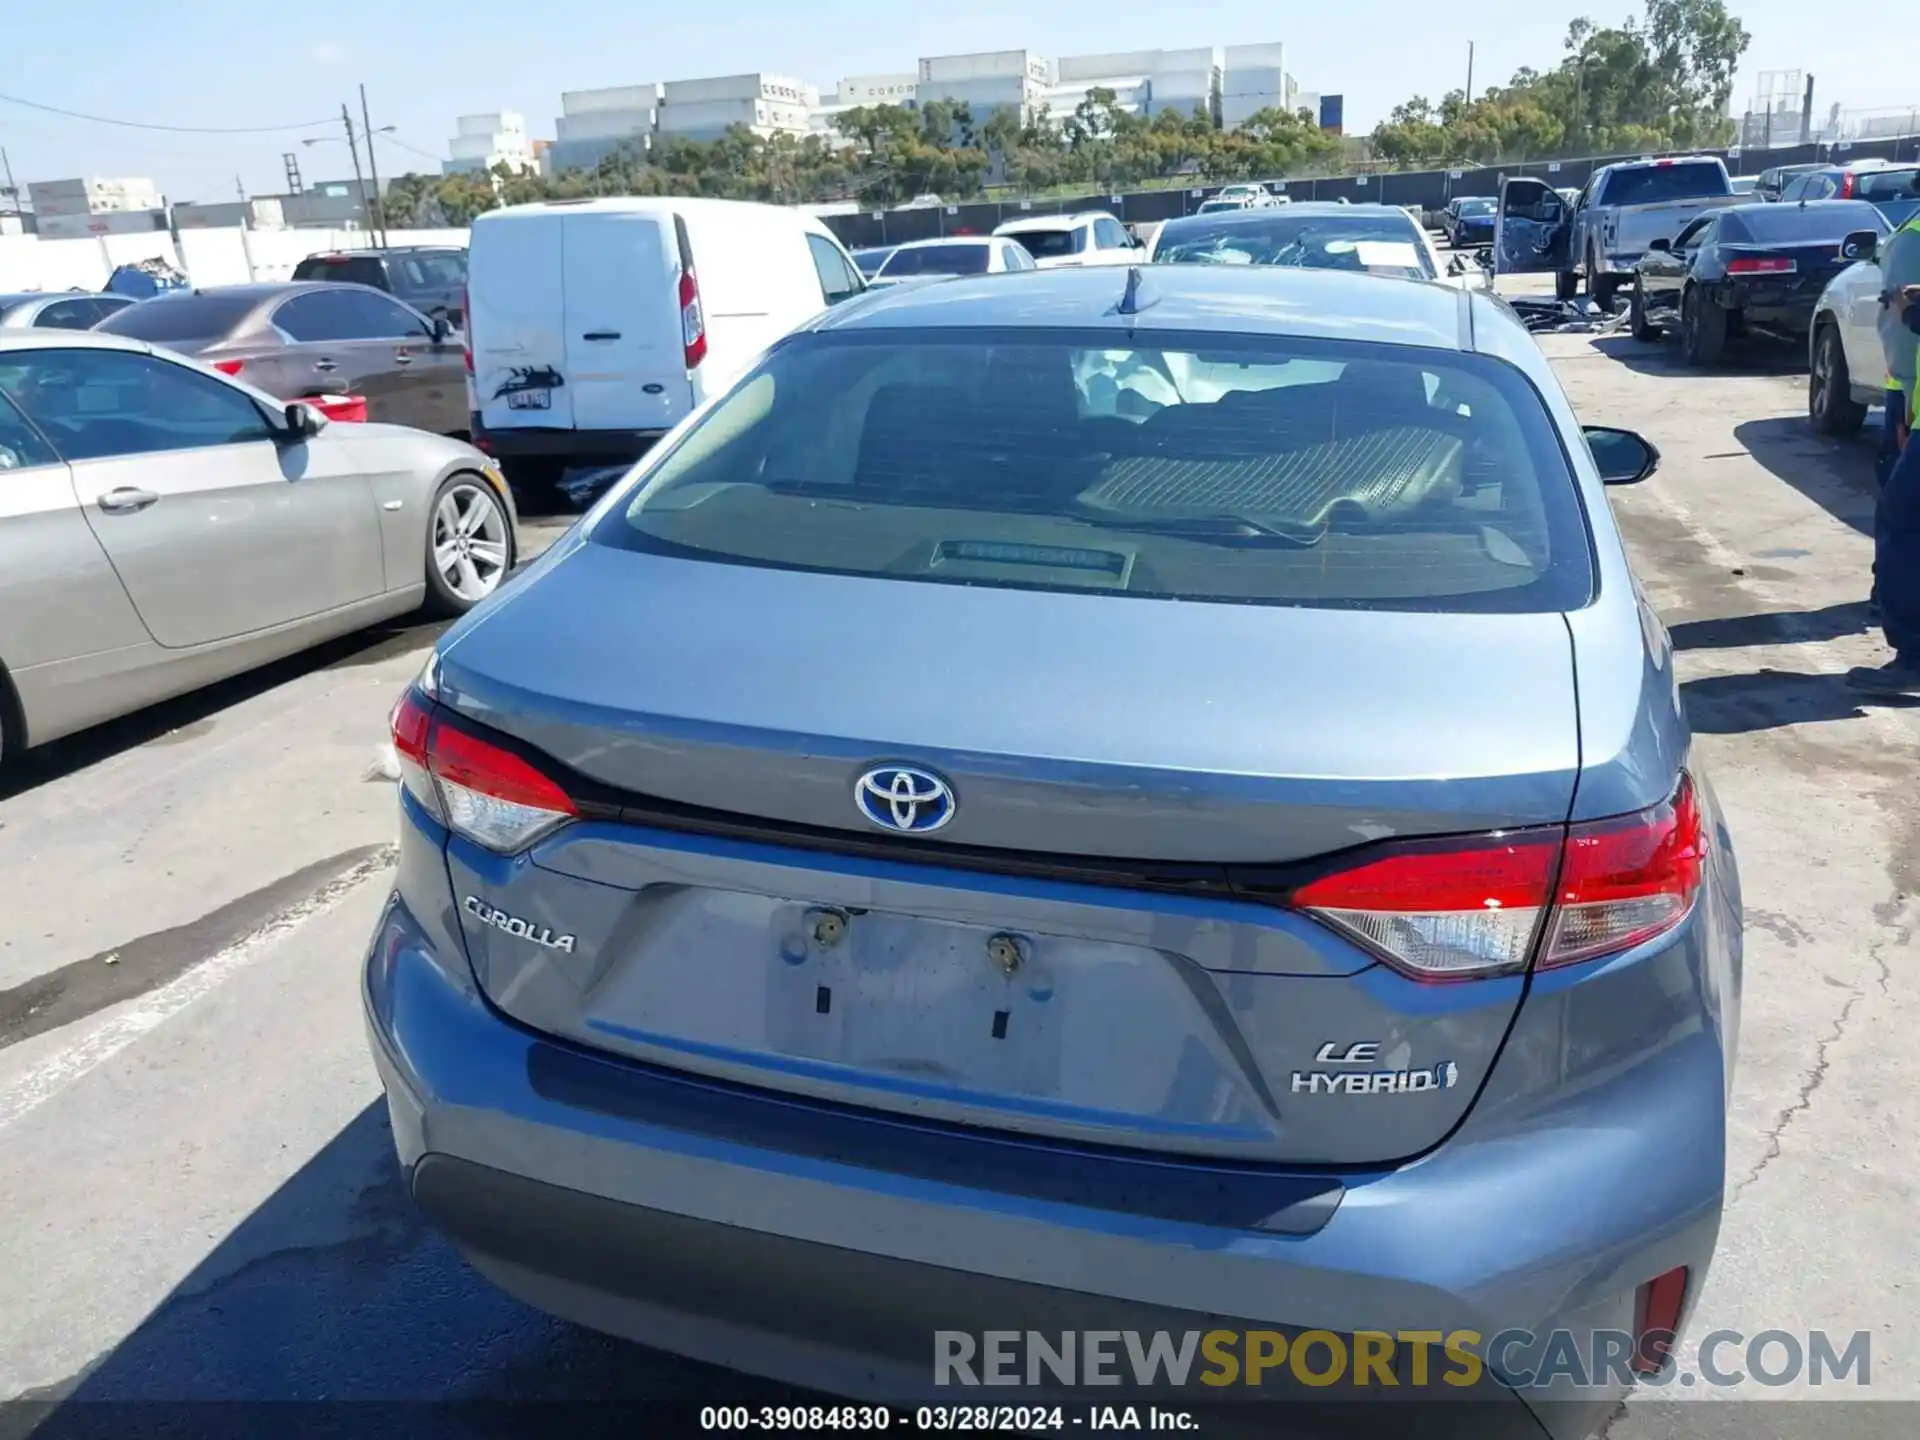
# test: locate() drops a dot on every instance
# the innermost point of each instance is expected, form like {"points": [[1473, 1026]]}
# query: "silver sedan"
{"points": [[163, 526]]}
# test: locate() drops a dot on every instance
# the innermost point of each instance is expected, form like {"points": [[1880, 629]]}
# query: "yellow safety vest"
{"points": [[1913, 389]]}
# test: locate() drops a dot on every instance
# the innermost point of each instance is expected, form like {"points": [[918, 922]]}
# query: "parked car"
{"points": [[734, 946], [1246, 194], [955, 255], [1749, 270], [1468, 221], [1894, 191], [1622, 210], [870, 260], [167, 525], [1318, 235], [1846, 364], [1745, 184], [1069, 241], [1218, 205], [1772, 181], [71, 310], [305, 338], [595, 326], [430, 278], [1831, 182]]}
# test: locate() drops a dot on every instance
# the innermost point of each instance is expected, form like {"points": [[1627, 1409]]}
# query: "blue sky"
{"points": [[223, 63]]}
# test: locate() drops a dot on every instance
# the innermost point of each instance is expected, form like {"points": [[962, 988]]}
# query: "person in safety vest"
{"points": [[1896, 518]]}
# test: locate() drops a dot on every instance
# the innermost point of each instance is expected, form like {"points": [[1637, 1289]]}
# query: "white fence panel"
{"points": [[209, 257]]}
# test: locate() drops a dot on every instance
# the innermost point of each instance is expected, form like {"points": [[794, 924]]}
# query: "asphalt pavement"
{"points": [[196, 1182]]}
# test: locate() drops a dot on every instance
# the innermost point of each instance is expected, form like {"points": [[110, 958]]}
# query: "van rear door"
{"points": [[627, 365], [515, 290]]}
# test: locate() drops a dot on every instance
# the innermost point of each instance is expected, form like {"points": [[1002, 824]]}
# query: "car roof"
{"points": [[1774, 207], [1052, 222], [67, 339], [1226, 299], [1307, 207], [946, 240]]}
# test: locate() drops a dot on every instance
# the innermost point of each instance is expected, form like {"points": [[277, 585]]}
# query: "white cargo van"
{"points": [[594, 325]]}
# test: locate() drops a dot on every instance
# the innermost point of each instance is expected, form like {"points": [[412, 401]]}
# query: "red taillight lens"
{"points": [[693, 323], [1459, 909], [1444, 910], [1846, 186], [1625, 881], [1752, 266], [229, 367], [466, 330], [1657, 1319], [473, 786]]}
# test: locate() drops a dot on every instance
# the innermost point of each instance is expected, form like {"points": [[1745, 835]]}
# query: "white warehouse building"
{"points": [[482, 142], [594, 124]]}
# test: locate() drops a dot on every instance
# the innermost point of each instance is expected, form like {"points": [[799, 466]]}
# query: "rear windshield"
{"points": [[1888, 184], [1377, 244], [1051, 244], [937, 260], [358, 269], [178, 316], [1794, 224], [1476, 207], [1195, 467], [870, 261], [430, 274], [1651, 184]]}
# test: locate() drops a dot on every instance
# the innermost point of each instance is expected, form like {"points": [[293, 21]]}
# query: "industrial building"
{"points": [[91, 205], [594, 124], [482, 143]]}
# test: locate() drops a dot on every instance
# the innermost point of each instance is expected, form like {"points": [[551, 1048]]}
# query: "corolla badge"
{"points": [[515, 926], [904, 798]]}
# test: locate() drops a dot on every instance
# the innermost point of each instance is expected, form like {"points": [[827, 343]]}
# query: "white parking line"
{"points": [[104, 1041]]}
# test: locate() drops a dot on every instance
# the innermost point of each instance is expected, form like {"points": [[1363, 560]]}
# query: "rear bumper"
{"points": [[674, 1212], [610, 446]]}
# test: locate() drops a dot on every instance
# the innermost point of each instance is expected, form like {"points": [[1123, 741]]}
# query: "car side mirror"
{"points": [[1660, 244], [303, 421], [1621, 457], [1860, 245]]}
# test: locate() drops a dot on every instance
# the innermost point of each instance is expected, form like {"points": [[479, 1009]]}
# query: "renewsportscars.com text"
{"points": [[1385, 1360]]}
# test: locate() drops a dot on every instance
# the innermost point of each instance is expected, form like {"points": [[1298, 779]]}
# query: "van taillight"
{"points": [[229, 367], [693, 324], [466, 330], [1846, 186]]}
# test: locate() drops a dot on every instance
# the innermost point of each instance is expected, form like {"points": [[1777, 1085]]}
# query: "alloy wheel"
{"points": [[470, 542]]}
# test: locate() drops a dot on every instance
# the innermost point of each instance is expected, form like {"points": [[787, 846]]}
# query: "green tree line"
{"points": [[1660, 80]]}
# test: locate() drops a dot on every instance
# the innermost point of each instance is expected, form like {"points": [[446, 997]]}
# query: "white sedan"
{"points": [[1847, 369], [952, 255]]}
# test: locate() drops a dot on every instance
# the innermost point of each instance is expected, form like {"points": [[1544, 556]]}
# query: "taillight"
{"points": [[1751, 265], [1456, 909], [229, 367], [1657, 1308], [472, 786], [693, 323], [1624, 881], [466, 330], [1846, 186]]}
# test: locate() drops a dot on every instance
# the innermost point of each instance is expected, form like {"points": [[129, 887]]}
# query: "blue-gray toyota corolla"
{"points": [[1071, 803]]}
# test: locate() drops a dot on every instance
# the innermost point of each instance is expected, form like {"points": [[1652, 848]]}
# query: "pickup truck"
{"points": [[1622, 211]]}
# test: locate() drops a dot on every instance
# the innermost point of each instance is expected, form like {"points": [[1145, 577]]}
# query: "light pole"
{"points": [[359, 183], [1469, 72], [378, 214]]}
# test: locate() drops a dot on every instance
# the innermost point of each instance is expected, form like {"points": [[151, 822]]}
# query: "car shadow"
{"points": [[335, 1294], [1662, 357], [1768, 700], [1772, 627], [1835, 473]]}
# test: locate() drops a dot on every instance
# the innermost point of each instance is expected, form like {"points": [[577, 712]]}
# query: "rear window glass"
{"points": [[360, 270], [1279, 472], [428, 274], [1376, 244], [1654, 183], [937, 260], [1051, 244], [1476, 207], [180, 317], [1888, 185], [870, 261], [1791, 224]]}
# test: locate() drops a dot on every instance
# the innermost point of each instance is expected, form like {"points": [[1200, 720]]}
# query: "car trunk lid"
{"points": [[1085, 951]]}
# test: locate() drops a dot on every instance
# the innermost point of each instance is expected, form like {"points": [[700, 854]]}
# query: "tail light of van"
{"points": [[466, 330], [229, 367], [693, 323], [1456, 909], [1846, 186]]}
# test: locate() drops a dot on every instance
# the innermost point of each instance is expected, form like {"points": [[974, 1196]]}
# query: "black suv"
{"points": [[430, 278]]}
